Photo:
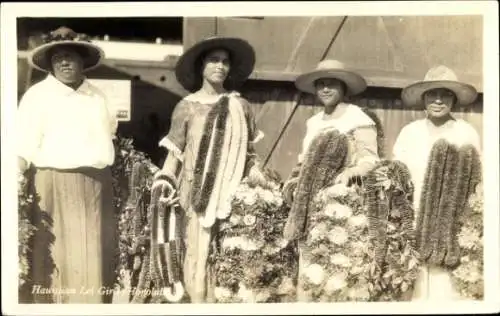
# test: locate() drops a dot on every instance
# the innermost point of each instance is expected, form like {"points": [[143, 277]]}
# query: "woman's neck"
{"points": [[75, 85], [210, 89], [440, 121], [335, 110]]}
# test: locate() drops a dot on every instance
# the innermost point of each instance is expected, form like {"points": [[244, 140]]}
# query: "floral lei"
{"points": [[26, 230], [359, 244], [468, 276], [253, 262], [450, 224], [131, 200]]}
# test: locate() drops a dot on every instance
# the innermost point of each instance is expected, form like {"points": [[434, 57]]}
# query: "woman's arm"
{"points": [[366, 150], [29, 129], [175, 141]]}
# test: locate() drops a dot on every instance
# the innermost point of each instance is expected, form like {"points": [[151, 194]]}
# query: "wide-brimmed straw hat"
{"points": [[438, 77], [335, 69], [242, 56], [39, 57]]}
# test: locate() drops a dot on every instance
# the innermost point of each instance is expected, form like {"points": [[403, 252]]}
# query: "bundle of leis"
{"points": [[351, 240], [449, 233], [253, 263], [149, 230], [131, 192], [26, 229], [388, 193]]}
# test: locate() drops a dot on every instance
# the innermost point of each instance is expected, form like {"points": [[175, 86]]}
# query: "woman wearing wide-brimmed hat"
{"points": [[330, 82], [437, 140], [65, 138], [211, 137]]}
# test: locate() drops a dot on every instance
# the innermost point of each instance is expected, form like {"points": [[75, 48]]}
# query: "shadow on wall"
{"points": [[151, 110]]}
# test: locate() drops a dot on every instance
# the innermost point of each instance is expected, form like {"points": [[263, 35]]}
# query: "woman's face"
{"points": [[438, 102], [329, 91], [67, 65], [216, 66]]}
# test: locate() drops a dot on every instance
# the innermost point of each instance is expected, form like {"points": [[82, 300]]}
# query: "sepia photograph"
{"points": [[195, 157]]}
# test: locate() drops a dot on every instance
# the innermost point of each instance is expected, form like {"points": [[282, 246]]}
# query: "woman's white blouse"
{"points": [[63, 128], [415, 141]]}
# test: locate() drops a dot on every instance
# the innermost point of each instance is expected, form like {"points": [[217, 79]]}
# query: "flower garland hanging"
{"points": [[361, 249], [26, 229], [253, 263], [388, 200], [468, 276], [449, 231], [131, 199]]}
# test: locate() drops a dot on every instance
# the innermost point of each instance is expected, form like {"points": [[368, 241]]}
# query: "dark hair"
{"points": [[198, 65], [342, 84]]}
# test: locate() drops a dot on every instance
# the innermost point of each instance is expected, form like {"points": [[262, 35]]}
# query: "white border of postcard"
{"points": [[488, 9]]}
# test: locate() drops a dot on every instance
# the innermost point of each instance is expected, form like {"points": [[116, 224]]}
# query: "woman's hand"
{"points": [[289, 190], [257, 177], [22, 165], [346, 176]]}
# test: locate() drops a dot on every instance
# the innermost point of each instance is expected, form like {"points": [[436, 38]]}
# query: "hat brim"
{"points": [[354, 82], [412, 95], [38, 57], [242, 62]]}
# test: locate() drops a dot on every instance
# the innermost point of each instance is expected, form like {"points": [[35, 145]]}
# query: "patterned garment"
{"points": [[237, 155]]}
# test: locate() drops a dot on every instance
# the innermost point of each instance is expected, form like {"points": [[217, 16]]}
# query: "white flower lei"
{"points": [[339, 254], [467, 277], [254, 263]]}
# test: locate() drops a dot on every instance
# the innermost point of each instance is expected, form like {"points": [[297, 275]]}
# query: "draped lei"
{"points": [[220, 161], [325, 156], [453, 171]]}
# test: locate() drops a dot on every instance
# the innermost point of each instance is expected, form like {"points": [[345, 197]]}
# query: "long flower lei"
{"points": [[131, 201], [468, 277], [356, 252], [253, 263], [26, 230]]}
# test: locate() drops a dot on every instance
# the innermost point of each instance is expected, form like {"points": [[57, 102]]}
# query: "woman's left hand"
{"points": [[345, 176], [256, 176]]}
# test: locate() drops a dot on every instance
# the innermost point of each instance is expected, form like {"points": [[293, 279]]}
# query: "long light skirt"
{"points": [[75, 246], [198, 276], [434, 283]]}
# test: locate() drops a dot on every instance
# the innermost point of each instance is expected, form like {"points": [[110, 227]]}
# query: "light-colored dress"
{"points": [[66, 136], [413, 147], [236, 157], [362, 155]]}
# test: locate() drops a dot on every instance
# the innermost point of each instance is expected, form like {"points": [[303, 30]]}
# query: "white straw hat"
{"points": [[438, 77], [329, 68]]}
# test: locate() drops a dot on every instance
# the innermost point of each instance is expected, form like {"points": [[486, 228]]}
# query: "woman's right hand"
{"points": [[22, 180], [289, 190], [22, 165]]}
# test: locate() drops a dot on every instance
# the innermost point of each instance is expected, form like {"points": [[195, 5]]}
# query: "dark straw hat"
{"points": [[241, 53], [92, 55]]}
